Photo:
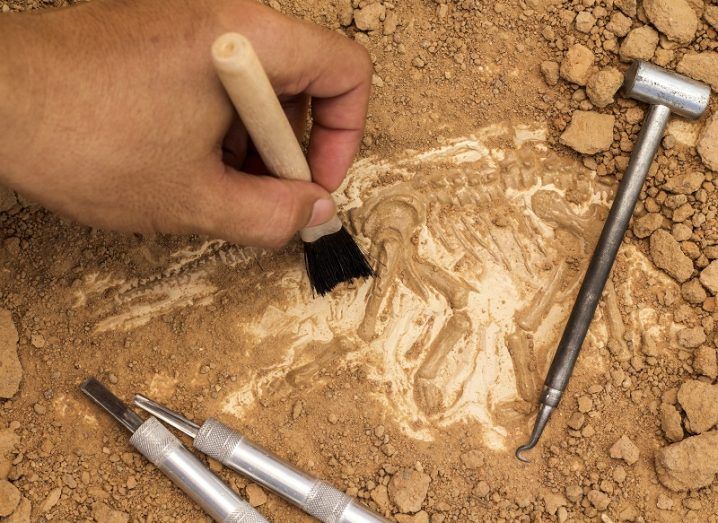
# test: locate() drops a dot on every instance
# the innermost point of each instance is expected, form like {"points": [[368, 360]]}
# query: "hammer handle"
{"points": [[605, 254]]}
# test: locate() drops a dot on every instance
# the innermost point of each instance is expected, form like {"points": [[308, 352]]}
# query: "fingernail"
{"points": [[322, 212]]}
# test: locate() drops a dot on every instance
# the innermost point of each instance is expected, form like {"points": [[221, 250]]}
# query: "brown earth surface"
{"points": [[410, 391]]}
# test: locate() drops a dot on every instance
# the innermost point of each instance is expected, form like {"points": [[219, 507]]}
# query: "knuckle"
{"points": [[364, 62]]}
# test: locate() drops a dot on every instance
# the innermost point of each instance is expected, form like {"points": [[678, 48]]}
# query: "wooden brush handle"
{"points": [[247, 85], [252, 94]]}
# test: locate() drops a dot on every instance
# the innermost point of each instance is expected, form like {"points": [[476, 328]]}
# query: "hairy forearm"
{"points": [[51, 67], [9, 67], [17, 91]]}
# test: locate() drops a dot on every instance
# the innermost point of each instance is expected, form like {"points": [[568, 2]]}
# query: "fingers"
{"points": [[261, 211], [340, 96], [296, 109], [240, 154], [335, 71], [331, 149], [234, 147]]}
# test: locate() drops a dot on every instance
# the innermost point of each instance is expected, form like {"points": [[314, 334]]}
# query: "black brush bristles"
{"points": [[334, 259]]}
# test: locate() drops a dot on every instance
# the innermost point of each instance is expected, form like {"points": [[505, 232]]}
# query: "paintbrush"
{"points": [[331, 255]]}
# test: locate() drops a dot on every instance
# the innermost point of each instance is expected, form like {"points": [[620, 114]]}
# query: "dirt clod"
{"points": [[9, 498], [708, 143], [674, 18], [598, 499], [585, 21], [553, 502], [550, 72], [255, 495], [408, 489], [701, 66], [671, 422], [693, 292], [473, 459], [380, 496], [625, 449], [691, 337], [639, 44], [482, 489], [689, 464], [711, 15], [667, 255], [709, 277], [705, 362], [577, 65], [589, 132], [699, 400], [619, 24], [603, 85], [370, 18], [685, 183], [644, 226]]}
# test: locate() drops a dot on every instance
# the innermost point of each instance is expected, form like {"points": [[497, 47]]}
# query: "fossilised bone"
{"points": [[436, 387], [406, 205], [454, 237], [531, 317], [523, 358], [404, 212], [549, 206], [616, 329]]}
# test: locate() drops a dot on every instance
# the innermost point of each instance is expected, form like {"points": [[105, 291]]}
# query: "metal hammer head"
{"points": [[657, 86]]}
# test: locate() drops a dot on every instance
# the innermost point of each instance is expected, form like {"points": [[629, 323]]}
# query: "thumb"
{"points": [[263, 211]]}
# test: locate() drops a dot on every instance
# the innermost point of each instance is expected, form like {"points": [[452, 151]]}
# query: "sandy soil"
{"points": [[493, 149]]}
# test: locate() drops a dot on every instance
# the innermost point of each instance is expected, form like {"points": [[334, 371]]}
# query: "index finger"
{"points": [[340, 92], [335, 71]]}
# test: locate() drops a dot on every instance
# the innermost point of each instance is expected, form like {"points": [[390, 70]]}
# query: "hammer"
{"points": [[667, 92]]}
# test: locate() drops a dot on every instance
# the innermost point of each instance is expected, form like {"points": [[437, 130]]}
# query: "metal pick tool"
{"points": [[667, 92], [167, 453], [313, 496], [99, 394]]}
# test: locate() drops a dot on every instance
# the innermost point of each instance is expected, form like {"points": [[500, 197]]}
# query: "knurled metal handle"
{"points": [[245, 514], [168, 454], [314, 496], [216, 440], [154, 441], [326, 503]]}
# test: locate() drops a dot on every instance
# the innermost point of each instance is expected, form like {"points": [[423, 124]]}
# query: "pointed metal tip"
{"points": [[542, 417], [140, 400], [523, 448], [169, 416]]}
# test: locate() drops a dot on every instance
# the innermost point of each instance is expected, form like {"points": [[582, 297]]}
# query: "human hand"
{"points": [[111, 114]]}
